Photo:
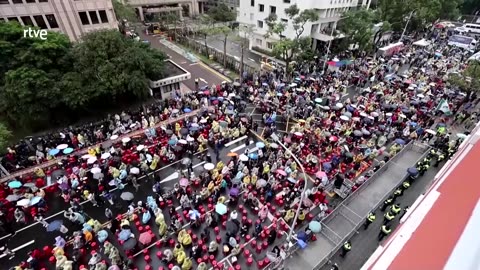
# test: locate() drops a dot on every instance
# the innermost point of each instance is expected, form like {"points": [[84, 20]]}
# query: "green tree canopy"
{"points": [[222, 13], [124, 11], [49, 81], [469, 80], [5, 136], [358, 26], [287, 48]]}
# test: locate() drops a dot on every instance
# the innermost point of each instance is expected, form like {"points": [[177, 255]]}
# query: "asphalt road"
{"points": [[198, 69]]}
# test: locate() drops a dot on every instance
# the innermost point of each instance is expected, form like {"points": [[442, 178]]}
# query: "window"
{"points": [[252, 17], [40, 21], [258, 41], [4, 2], [94, 17], [84, 18], [286, 1], [252, 3], [51, 20], [260, 24], [103, 16], [270, 45], [30, 1], [17, 1], [27, 20], [13, 19], [284, 21], [261, 7], [273, 9], [42, 1]]}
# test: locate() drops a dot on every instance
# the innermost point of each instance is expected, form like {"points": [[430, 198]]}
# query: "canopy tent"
{"points": [[422, 43]]}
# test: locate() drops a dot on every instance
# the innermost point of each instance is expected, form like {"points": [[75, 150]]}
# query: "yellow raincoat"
{"points": [[155, 161], [187, 264], [266, 169], [176, 251], [184, 238], [289, 215], [181, 256], [91, 152], [39, 172], [246, 180]]}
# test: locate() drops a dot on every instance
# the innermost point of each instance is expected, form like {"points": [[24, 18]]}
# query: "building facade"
{"points": [[232, 4], [71, 17], [188, 8], [329, 11]]}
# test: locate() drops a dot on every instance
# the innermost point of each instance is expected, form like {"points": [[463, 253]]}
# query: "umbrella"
{"points": [[231, 227], [333, 138], [53, 152], [412, 170], [105, 155], [292, 180], [281, 172], [318, 100], [98, 176], [145, 238], [134, 170], [236, 84], [433, 132], [253, 156], [243, 157], [462, 136], [15, 184], [187, 110], [126, 140], [274, 145], [91, 160], [177, 148], [183, 182], [320, 174], [327, 165], [261, 183], [12, 198], [298, 134], [54, 225], [140, 147], [169, 132], [184, 131], [175, 111], [57, 174], [208, 166], [62, 146], [23, 202], [107, 145], [87, 156], [172, 142], [67, 151], [232, 154], [234, 192], [124, 234], [186, 161], [182, 141], [96, 170], [400, 141], [35, 200], [221, 209], [129, 244], [260, 145], [344, 118], [193, 214], [190, 139], [315, 226], [127, 196], [114, 137]]}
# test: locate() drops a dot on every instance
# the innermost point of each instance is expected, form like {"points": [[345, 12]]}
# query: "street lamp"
{"points": [[302, 197], [334, 27], [406, 25]]}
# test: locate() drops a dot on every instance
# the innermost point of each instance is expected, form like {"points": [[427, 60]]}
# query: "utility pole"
{"points": [[406, 25]]}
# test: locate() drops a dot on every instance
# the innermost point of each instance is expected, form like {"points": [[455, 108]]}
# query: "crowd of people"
{"points": [[341, 138]]}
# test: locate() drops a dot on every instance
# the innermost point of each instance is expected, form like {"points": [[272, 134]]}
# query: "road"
{"points": [[198, 70]]}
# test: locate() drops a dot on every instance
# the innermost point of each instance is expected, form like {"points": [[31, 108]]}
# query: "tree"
{"points": [[170, 18], [5, 136], [124, 11], [469, 80], [223, 31], [245, 32], [222, 13], [288, 48], [107, 67], [206, 28], [358, 26], [470, 6]]}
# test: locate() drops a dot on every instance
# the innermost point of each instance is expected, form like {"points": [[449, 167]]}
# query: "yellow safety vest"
{"points": [[396, 209], [371, 217], [386, 230], [389, 216]]}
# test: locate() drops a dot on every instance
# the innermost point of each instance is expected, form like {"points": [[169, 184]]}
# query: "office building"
{"points": [[329, 11], [184, 8], [71, 17]]}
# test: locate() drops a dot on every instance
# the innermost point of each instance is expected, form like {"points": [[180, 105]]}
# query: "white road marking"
{"points": [[235, 141], [174, 176], [18, 248], [203, 80], [251, 59], [243, 146], [194, 64]]}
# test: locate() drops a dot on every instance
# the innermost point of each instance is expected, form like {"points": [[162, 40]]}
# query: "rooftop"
{"points": [[172, 69]]}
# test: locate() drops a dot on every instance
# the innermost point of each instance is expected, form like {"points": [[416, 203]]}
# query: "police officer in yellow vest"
{"points": [[384, 231], [440, 158], [405, 185], [397, 193], [369, 220], [395, 209], [387, 203], [347, 246], [388, 217]]}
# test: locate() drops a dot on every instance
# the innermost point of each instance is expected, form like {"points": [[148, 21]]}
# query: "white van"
{"points": [[472, 28]]}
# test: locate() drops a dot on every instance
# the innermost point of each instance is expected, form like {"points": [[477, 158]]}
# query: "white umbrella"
{"points": [[190, 139], [182, 141], [87, 156], [356, 119], [344, 118], [243, 157], [462, 136], [339, 105], [175, 111], [96, 170], [274, 145], [299, 134], [23, 202], [203, 121], [126, 140], [91, 160], [363, 114], [134, 170], [402, 115], [433, 132], [114, 137], [420, 96], [374, 114], [106, 155], [389, 114], [62, 146], [208, 166], [140, 147]]}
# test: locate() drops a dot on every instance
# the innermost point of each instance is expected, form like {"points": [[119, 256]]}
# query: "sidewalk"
{"points": [[267, 56]]}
